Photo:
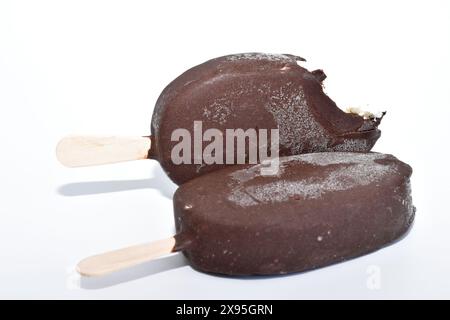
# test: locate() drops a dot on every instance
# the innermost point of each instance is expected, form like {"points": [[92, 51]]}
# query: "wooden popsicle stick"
{"points": [[112, 261], [79, 151]]}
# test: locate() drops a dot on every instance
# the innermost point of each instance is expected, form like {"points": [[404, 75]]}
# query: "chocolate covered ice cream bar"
{"points": [[242, 91], [319, 209]]}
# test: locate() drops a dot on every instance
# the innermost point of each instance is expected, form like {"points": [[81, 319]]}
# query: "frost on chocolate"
{"points": [[326, 159], [259, 56], [218, 111], [359, 170], [296, 123], [355, 145], [405, 198]]}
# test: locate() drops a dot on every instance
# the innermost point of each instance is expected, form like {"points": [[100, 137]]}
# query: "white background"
{"points": [[99, 66]]}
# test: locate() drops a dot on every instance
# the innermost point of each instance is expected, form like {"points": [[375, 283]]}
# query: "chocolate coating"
{"points": [[320, 209], [260, 91]]}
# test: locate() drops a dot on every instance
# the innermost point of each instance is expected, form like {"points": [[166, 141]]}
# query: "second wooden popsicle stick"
{"points": [[105, 263]]}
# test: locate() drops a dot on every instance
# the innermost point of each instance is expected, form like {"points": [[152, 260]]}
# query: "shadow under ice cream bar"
{"points": [[242, 91], [320, 209]]}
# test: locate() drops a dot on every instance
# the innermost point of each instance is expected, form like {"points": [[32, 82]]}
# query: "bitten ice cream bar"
{"points": [[242, 91]]}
